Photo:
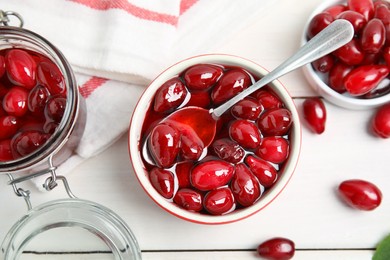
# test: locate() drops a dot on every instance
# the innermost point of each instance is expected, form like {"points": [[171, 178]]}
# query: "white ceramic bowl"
{"points": [[316, 79], [135, 141]]}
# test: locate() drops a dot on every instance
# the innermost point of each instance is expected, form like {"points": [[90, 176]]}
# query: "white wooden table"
{"points": [[308, 211]]}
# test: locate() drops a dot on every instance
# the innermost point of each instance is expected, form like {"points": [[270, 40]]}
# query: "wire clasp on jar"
{"points": [[6, 15], [49, 183]]}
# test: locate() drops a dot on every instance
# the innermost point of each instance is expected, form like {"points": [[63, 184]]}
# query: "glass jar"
{"points": [[74, 213], [71, 212]]}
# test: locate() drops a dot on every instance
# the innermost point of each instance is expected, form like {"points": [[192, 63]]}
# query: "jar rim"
{"points": [[60, 136], [93, 217]]}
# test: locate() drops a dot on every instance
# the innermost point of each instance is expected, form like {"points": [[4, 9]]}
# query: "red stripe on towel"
{"points": [[134, 10], [93, 83], [186, 4]]}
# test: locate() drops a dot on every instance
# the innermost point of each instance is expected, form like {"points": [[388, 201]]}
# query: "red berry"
{"points": [[337, 76], [276, 121], [5, 150], [9, 125], [373, 36], [274, 149], [363, 79], [15, 101], [2, 65], [202, 76], [231, 83], [189, 199], [244, 185], [200, 99], [55, 108], [164, 145], [37, 99], [278, 248], [371, 58], [357, 19], [248, 108], [365, 7], [335, 10], [191, 145], [228, 150], [381, 2], [382, 12], [245, 133], [51, 77], [169, 96], [50, 127], [21, 68], [267, 99], [324, 64], [263, 170], [381, 121], [219, 201], [360, 194], [31, 123], [183, 170], [314, 112], [350, 53], [382, 89], [386, 55], [163, 181], [211, 174], [25, 143], [318, 23]]}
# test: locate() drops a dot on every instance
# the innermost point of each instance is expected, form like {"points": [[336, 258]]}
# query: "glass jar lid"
{"points": [[78, 213]]}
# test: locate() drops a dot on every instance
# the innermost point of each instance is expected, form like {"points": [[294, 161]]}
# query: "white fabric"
{"points": [[128, 43]]}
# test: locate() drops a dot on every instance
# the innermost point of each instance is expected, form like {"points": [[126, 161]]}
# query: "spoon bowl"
{"points": [[198, 119]]}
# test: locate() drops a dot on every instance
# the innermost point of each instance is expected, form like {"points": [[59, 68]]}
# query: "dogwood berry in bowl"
{"points": [[247, 164], [355, 76]]}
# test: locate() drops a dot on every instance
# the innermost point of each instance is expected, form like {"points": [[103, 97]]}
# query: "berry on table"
{"points": [[314, 112], [360, 194], [278, 248]]}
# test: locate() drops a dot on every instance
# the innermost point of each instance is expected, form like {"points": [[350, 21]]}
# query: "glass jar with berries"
{"points": [[42, 118], [42, 114]]}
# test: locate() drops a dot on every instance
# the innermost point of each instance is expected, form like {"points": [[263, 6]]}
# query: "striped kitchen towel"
{"points": [[117, 47]]}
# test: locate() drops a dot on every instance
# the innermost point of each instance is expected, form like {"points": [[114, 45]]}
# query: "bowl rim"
{"points": [[321, 87], [134, 139]]}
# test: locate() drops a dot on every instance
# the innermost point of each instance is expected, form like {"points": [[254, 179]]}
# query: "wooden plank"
{"points": [[212, 255], [252, 255], [308, 211]]}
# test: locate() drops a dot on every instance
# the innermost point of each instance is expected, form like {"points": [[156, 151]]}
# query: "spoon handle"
{"points": [[331, 38]]}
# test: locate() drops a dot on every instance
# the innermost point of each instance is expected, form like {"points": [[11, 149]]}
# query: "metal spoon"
{"points": [[204, 121]]}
